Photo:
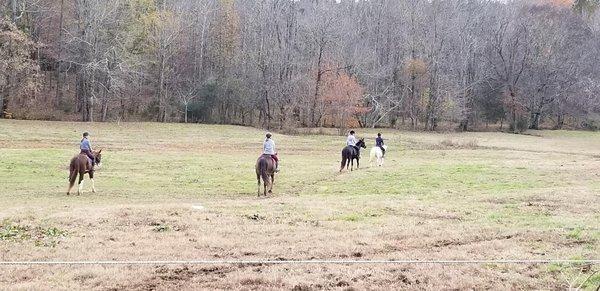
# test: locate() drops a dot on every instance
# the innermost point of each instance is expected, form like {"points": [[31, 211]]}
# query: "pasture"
{"points": [[178, 192]]}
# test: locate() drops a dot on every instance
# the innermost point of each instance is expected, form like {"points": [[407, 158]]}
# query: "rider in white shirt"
{"points": [[351, 140], [269, 149]]}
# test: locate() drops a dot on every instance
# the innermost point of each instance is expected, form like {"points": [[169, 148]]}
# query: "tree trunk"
{"points": [[2, 104], [313, 119], [160, 90], [60, 49], [514, 121], [4, 95], [13, 8], [464, 125], [268, 110], [535, 121], [431, 122], [105, 101], [186, 112], [104, 111], [560, 121]]}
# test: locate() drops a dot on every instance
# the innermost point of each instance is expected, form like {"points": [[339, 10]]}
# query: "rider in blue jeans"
{"points": [[86, 147]]}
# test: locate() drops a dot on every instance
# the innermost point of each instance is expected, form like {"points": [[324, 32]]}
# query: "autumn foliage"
{"points": [[557, 3], [18, 71], [342, 99]]}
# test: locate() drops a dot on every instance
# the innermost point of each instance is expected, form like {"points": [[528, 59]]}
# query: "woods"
{"points": [[415, 64]]}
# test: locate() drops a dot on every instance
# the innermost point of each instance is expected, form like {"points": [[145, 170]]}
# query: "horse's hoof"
{"points": [[270, 192]]}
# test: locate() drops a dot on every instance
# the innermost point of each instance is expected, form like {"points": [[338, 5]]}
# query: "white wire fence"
{"points": [[297, 262]]}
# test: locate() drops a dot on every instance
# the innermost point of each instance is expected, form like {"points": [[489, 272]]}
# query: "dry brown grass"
{"points": [[501, 197]]}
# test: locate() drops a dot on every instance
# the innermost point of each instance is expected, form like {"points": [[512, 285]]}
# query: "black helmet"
{"points": [[379, 134], [352, 132], [268, 135], [85, 134]]}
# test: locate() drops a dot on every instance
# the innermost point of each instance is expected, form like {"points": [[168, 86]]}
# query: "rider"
{"points": [[86, 147], [379, 143], [269, 149], [351, 140]]}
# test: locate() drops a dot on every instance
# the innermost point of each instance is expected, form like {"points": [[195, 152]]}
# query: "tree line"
{"points": [[307, 63]]}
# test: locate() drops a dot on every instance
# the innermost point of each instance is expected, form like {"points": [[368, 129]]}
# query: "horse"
{"points": [[351, 153], [265, 169], [376, 152], [80, 164]]}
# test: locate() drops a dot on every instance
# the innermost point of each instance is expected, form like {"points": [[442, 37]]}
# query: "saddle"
{"points": [[356, 152], [267, 156], [90, 163]]}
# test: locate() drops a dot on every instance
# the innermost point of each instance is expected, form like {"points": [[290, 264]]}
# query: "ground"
{"points": [[178, 192]]}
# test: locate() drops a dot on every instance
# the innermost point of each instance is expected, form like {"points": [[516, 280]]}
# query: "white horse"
{"points": [[377, 153]]}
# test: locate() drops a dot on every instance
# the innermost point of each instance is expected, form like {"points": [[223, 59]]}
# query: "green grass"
{"points": [[466, 189]]}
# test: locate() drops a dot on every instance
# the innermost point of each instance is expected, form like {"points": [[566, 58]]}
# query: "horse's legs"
{"points": [[258, 180], [72, 177], [92, 180], [272, 182], [351, 164], [265, 187], [357, 164], [80, 183]]}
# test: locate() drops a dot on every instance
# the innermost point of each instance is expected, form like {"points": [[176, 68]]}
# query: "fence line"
{"points": [[297, 262]]}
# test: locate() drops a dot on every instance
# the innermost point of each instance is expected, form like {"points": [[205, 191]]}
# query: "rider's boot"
{"points": [[277, 167]]}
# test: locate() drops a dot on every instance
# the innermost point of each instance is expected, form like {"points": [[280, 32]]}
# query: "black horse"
{"points": [[350, 153]]}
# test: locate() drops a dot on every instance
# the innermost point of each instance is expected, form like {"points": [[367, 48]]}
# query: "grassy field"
{"points": [[177, 192]]}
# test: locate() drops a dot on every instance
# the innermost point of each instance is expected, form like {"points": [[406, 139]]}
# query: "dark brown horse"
{"points": [[80, 164], [351, 153], [265, 169]]}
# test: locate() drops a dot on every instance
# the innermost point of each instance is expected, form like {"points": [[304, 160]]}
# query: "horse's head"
{"points": [[98, 158], [361, 143]]}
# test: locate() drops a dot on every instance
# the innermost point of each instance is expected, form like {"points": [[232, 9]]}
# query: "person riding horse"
{"points": [[269, 149], [351, 140], [83, 163], [379, 143], [267, 166], [86, 148], [352, 151]]}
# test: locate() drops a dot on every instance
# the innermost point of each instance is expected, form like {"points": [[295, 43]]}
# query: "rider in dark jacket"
{"points": [[379, 143]]}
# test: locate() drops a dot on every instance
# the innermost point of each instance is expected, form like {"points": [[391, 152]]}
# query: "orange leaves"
{"points": [[415, 67], [557, 3], [227, 31], [341, 96]]}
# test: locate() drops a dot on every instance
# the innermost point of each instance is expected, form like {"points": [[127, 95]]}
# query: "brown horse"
{"points": [[265, 169], [80, 164]]}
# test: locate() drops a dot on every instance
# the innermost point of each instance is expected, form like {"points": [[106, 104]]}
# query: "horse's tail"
{"points": [[372, 155], [73, 171], [263, 165], [345, 159]]}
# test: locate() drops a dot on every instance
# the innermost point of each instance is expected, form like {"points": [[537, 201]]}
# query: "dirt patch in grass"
{"points": [[439, 196]]}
